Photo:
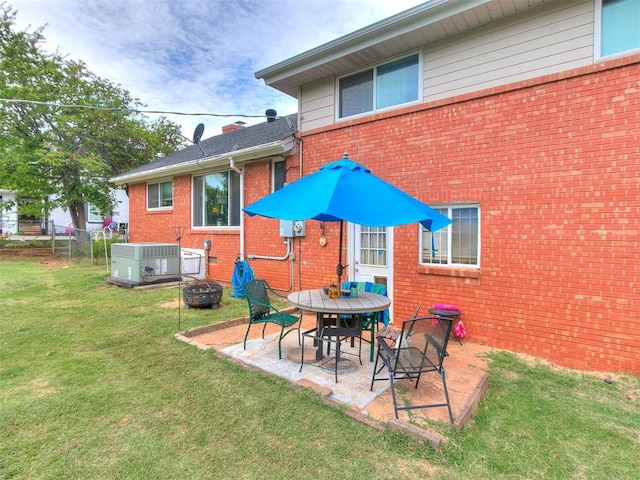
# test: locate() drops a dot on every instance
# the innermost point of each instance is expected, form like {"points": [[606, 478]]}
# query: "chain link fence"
{"points": [[93, 245]]}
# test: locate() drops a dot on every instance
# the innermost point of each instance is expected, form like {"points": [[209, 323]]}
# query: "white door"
{"points": [[372, 255]]}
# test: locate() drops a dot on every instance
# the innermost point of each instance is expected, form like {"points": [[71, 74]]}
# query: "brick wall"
{"points": [[554, 166], [261, 234], [553, 163]]}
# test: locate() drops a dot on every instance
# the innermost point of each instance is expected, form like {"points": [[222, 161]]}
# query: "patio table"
{"points": [[320, 303]]}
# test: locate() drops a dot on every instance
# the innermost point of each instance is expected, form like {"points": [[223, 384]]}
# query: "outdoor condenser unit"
{"points": [[145, 262]]}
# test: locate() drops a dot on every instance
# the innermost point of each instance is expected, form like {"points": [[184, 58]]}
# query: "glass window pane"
{"points": [[94, 214], [153, 196], [435, 246], [457, 244], [373, 245], [397, 82], [278, 175], [356, 94], [198, 201], [217, 199], [166, 194], [620, 26], [234, 199], [464, 241]]}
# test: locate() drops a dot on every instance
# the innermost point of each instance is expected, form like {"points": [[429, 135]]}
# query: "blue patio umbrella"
{"points": [[347, 191]]}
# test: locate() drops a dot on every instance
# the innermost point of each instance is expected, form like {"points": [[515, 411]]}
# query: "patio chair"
{"points": [[331, 332], [420, 347], [323, 336], [370, 320], [261, 311]]}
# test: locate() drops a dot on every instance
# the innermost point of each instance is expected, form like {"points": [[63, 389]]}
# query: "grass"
{"points": [[93, 385]]}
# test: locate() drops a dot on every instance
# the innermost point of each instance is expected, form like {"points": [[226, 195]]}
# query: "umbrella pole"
{"points": [[340, 267]]}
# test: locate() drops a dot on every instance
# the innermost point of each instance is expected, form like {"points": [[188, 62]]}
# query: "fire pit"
{"points": [[202, 294]]}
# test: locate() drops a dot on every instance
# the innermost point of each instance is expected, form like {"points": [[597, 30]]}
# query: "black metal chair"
{"points": [[261, 311], [420, 347], [332, 331], [369, 321]]}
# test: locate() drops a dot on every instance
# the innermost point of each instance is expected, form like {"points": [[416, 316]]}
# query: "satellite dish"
{"points": [[197, 134]]}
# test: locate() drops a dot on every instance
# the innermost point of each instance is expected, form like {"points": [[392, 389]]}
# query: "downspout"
{"points": [[300, 158], [232, 165]]}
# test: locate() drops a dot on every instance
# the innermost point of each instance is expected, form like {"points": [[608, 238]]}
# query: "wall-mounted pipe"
{"points": [[232, 165], [268, 257]]}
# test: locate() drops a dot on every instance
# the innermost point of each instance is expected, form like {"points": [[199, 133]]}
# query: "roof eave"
{"points": [[239, 158], [416, 17]]}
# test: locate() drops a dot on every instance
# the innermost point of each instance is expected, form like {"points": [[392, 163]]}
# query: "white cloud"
{"points": [[197, 56]]}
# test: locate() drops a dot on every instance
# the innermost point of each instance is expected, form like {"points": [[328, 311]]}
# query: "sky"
{"points": [[197, 56]]}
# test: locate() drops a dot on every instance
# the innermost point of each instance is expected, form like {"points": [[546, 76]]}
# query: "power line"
{"points": [[115, 109]]}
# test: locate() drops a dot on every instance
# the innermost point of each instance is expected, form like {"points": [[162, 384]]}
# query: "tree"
{"points": [[64, 156]]}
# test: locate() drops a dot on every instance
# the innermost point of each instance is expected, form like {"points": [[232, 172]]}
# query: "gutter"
{"points": [[422, 15], [218, 162]]}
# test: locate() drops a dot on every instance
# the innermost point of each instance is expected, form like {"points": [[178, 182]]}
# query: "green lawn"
{"points": [[93, 385]]}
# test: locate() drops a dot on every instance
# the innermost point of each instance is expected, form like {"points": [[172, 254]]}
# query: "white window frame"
{"points": [[448, 230], [374, 93], [597, 37], [159, 207], [94, 215], [230, 193]]}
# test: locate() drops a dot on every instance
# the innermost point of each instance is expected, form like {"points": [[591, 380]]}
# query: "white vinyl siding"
{"points": [[317, 106], [552, 38]]}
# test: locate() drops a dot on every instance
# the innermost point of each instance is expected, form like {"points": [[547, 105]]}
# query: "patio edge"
{"points": [[418, 434], [471, 407]]}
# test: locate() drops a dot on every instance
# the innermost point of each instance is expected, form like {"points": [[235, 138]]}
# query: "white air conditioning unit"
{"points": [[145, 262]]}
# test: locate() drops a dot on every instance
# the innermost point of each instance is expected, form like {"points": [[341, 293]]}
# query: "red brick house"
{"points": [[202, 189], [519, 120]]}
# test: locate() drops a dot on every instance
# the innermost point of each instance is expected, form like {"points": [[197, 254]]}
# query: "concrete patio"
{"points": [[467, 380]]}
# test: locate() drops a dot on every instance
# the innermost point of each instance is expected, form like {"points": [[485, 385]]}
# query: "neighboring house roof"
{"points": [[414, 28], [221, 151]]}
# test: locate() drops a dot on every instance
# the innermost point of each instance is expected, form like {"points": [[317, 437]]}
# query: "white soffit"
{"points": [[421, 25]]}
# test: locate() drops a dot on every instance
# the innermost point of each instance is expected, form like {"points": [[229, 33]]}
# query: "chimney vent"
{"points": [[233, 127]]}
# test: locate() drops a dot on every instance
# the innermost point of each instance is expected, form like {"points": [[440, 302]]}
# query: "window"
{"points": [[383, 86], [278, 172], [216, 200], [94, 214], [373, 246], [160, 195], [618, 22], [458, 243]]}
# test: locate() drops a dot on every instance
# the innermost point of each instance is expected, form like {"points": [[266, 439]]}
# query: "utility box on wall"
{"points": [[145, 262], [292, 228]]}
